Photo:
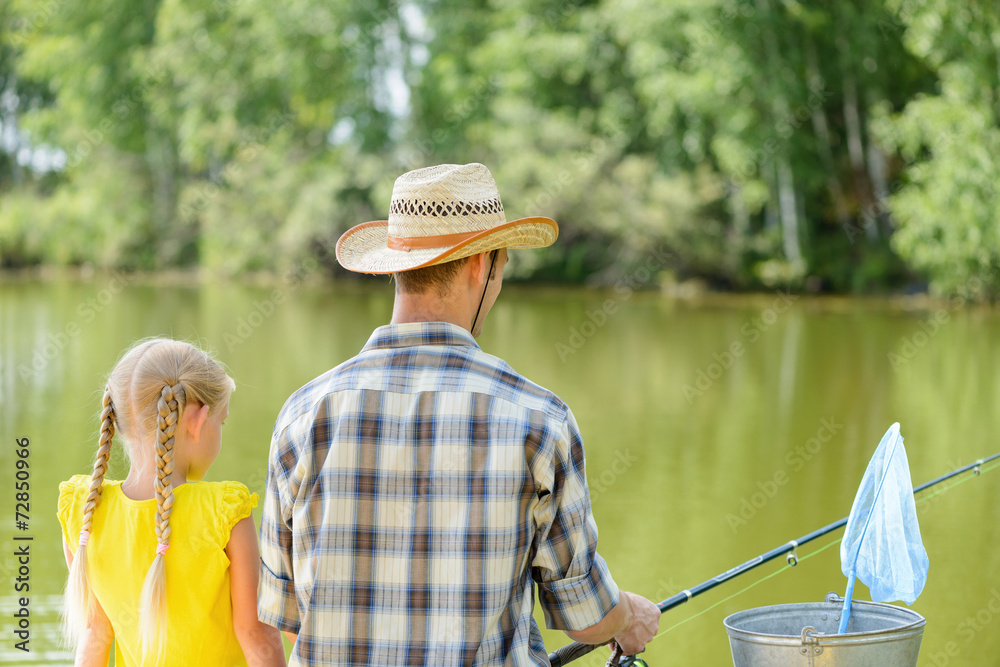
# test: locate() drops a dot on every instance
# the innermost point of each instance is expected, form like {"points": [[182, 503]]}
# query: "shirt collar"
{"points": [[419, 333]]}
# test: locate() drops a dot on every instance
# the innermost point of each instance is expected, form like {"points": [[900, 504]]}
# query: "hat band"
{"points": [[420, 242]]}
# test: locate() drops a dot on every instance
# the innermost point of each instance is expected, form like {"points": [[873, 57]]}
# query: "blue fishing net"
{"points": [[882, 545]]}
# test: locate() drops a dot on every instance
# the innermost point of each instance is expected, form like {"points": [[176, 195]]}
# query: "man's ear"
{"points": [[478, 266], [193, 418]]}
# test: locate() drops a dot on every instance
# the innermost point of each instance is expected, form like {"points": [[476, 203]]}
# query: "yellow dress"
{"points": [[122, 546]]}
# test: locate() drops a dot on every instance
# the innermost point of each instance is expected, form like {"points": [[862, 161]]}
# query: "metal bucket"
{"points": [[805, 635]]}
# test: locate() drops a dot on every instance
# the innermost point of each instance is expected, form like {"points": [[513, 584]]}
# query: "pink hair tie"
{"points": [[161, 548], [84, 538]]}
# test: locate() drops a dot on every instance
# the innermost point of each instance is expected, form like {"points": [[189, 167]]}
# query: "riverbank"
{"points": [[692, 292]]}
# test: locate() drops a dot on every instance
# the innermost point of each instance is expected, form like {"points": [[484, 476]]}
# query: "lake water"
{"points": [[714, 430]]}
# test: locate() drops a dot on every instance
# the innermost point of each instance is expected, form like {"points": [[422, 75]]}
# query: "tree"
{"points": [[947, 205]]}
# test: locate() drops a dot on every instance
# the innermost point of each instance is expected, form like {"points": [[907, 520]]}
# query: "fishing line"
{"points": [[983, 469], [759, 581], [786, 567]]}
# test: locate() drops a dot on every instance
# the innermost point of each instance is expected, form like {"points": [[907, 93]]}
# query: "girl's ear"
{"points": [[193, 419]]}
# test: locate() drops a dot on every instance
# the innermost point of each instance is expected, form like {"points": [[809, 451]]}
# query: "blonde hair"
{"points": [[146, 392]]}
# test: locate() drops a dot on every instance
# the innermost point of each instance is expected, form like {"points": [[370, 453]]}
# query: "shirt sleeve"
{"points": [[276, 601], [235, 505], [576, 589], [69, 509]]}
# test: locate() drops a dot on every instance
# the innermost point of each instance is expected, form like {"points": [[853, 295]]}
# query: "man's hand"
{"points": [[642, 623], [632, 623]]}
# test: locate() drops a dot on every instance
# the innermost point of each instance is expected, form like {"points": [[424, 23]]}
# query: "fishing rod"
{"points": [[575, 650]]}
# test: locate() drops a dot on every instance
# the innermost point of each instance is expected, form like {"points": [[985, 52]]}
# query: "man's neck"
{"points": [[429, 307]]}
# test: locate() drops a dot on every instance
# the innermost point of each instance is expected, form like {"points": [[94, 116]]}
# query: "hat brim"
{"points": [[364, 248]]}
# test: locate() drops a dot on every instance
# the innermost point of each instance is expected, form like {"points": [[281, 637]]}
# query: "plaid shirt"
{"points": [[414, 494]]}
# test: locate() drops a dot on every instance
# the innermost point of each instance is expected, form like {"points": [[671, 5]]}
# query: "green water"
{"points": [[714, 431]]}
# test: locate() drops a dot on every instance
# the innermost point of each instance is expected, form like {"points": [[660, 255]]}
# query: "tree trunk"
{"points": [[852, 121], [780, 110], [161, 160], [877, 172], [822, 130], [855, 141], [770, 208], [740, 230], [789, 215]]}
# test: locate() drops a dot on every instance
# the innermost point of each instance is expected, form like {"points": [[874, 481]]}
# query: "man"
{"points": [[417, 492]]}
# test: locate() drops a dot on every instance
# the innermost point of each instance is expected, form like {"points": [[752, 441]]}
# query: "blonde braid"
{"points": [[168, 407], [153, 601], [77, 597]]}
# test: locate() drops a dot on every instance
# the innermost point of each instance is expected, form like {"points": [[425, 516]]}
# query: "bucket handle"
{"points": [[810, 642], [809, 635]]}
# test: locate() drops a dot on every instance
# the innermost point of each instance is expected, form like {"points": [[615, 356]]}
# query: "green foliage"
{"points": [[97, 218], [948, 207], [756, 143]]}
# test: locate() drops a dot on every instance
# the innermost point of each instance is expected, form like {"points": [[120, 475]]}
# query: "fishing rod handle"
{"points": [[570, 652]]}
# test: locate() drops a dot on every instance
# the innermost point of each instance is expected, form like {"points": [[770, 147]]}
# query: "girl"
{"points": [[165, 567]]}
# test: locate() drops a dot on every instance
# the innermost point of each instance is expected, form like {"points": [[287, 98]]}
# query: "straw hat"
{"points": [[439, 214]]}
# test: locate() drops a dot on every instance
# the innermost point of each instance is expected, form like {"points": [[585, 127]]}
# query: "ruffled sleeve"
{"points": [[237, 501], [69, 507]]}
